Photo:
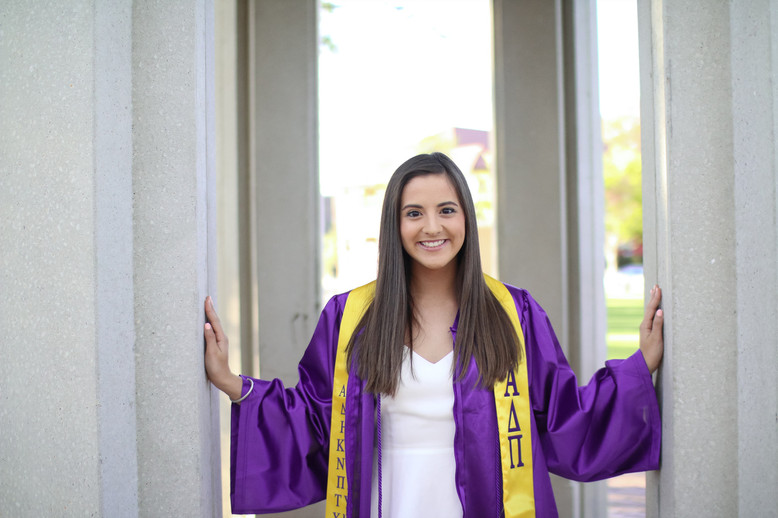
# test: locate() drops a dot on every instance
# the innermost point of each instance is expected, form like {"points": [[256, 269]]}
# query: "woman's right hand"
{"points": [[652, 343], [217, 355]]}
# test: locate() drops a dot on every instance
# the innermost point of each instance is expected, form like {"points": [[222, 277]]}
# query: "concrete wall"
{"points": [[709, 147], [106, 152]]}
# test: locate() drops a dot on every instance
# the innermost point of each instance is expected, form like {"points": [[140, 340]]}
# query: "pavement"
{"points": [[627, 496]]}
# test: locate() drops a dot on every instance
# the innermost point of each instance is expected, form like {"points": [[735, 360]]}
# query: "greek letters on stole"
{"points": [[337, 484], [512, 405], [511, 399]]}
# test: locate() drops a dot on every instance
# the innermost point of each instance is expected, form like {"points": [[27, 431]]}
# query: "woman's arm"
{"points": [[606, 427], [279, 438]]}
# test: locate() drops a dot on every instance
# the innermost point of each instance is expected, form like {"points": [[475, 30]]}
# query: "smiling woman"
{"points": [[362, 423]]}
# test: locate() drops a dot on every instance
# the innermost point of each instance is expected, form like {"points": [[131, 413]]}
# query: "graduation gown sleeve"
{"points": [[602, 429], [279, 443]]}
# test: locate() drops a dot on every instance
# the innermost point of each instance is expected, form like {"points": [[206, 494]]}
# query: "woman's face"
{"points": [[432, 222]]}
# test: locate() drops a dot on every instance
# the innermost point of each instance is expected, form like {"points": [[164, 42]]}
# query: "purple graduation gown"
{"points": [[279, 449]]}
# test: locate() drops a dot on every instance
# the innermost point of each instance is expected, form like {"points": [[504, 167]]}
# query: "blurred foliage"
{"points": [[622, 175], [326, 42]]}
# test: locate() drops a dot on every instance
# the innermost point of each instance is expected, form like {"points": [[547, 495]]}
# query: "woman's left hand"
{"points": [[652, 343]]}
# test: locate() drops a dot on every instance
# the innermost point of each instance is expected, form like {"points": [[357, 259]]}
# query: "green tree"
{"points": [[622, 176]]}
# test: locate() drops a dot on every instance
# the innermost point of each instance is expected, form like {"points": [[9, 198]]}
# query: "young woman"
{"points": [[435, 390]]}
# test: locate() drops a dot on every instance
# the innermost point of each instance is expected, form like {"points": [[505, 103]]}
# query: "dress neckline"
{"points": [[450, 353]]}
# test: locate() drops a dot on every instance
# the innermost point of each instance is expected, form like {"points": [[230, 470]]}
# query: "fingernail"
{"points": [[659, 312], [208, 326]]}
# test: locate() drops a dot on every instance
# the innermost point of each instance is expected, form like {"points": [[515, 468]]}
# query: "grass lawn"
{"points": [[624, 316]]}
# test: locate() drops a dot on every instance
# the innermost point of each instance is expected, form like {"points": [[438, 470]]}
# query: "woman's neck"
{"points": [[435, 305], [433, 285]]}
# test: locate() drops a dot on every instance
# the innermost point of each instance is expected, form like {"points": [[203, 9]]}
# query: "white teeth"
{"points": [[432, 244]]}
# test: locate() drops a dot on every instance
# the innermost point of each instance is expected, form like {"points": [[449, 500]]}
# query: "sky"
{"points": [[617, 44], [402, 70]]}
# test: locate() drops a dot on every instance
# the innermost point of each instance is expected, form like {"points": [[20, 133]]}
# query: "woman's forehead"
{"points": [[429, 187]]}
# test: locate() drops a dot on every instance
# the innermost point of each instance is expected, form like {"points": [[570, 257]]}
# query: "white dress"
{"points": [[417, 444]]}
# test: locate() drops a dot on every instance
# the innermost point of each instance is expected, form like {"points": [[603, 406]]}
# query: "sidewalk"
{"points": [[627, 496]]}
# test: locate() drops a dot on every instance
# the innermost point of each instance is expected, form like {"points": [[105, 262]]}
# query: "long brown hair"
{"points": [[484, 331]]}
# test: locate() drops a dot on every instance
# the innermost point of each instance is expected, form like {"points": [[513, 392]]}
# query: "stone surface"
{"points": [[172, 159], [709, 193], [284, 147], [105, 259], [48, 371]]}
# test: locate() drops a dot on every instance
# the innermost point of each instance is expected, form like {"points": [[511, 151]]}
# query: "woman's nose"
{"points": [[432, 225]]}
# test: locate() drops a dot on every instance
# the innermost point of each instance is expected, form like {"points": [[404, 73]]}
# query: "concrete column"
{"points": [[755, 114], [173, 162], [283, 57], [113, 259], [530, 167], [106, 146], [268, 188], [67, 377], [585, 192], [709, 147], [278, 187], [530, 152], [549, 182], [230, 21], [585, 212]]}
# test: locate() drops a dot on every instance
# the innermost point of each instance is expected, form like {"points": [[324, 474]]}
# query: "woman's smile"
{"points": [[432, 244]]}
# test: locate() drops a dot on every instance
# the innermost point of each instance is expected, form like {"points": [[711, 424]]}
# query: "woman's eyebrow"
{"points": [[418, 206]]}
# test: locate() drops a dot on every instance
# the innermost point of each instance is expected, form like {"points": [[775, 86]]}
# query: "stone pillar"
{"points": [[709, 167], [67, 377], [174, 216], [268, 190], [549, 176], [585, 212], [230, 26], [270, 226], [283, 61], [530, 152], [105, 147], [755, 137]]}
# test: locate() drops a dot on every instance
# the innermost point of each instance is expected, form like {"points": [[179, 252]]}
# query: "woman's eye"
{"points": [[413, 214], [448, 210]]}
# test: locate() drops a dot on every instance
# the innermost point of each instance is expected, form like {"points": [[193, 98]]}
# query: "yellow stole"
{"points": [[511, 397]]}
